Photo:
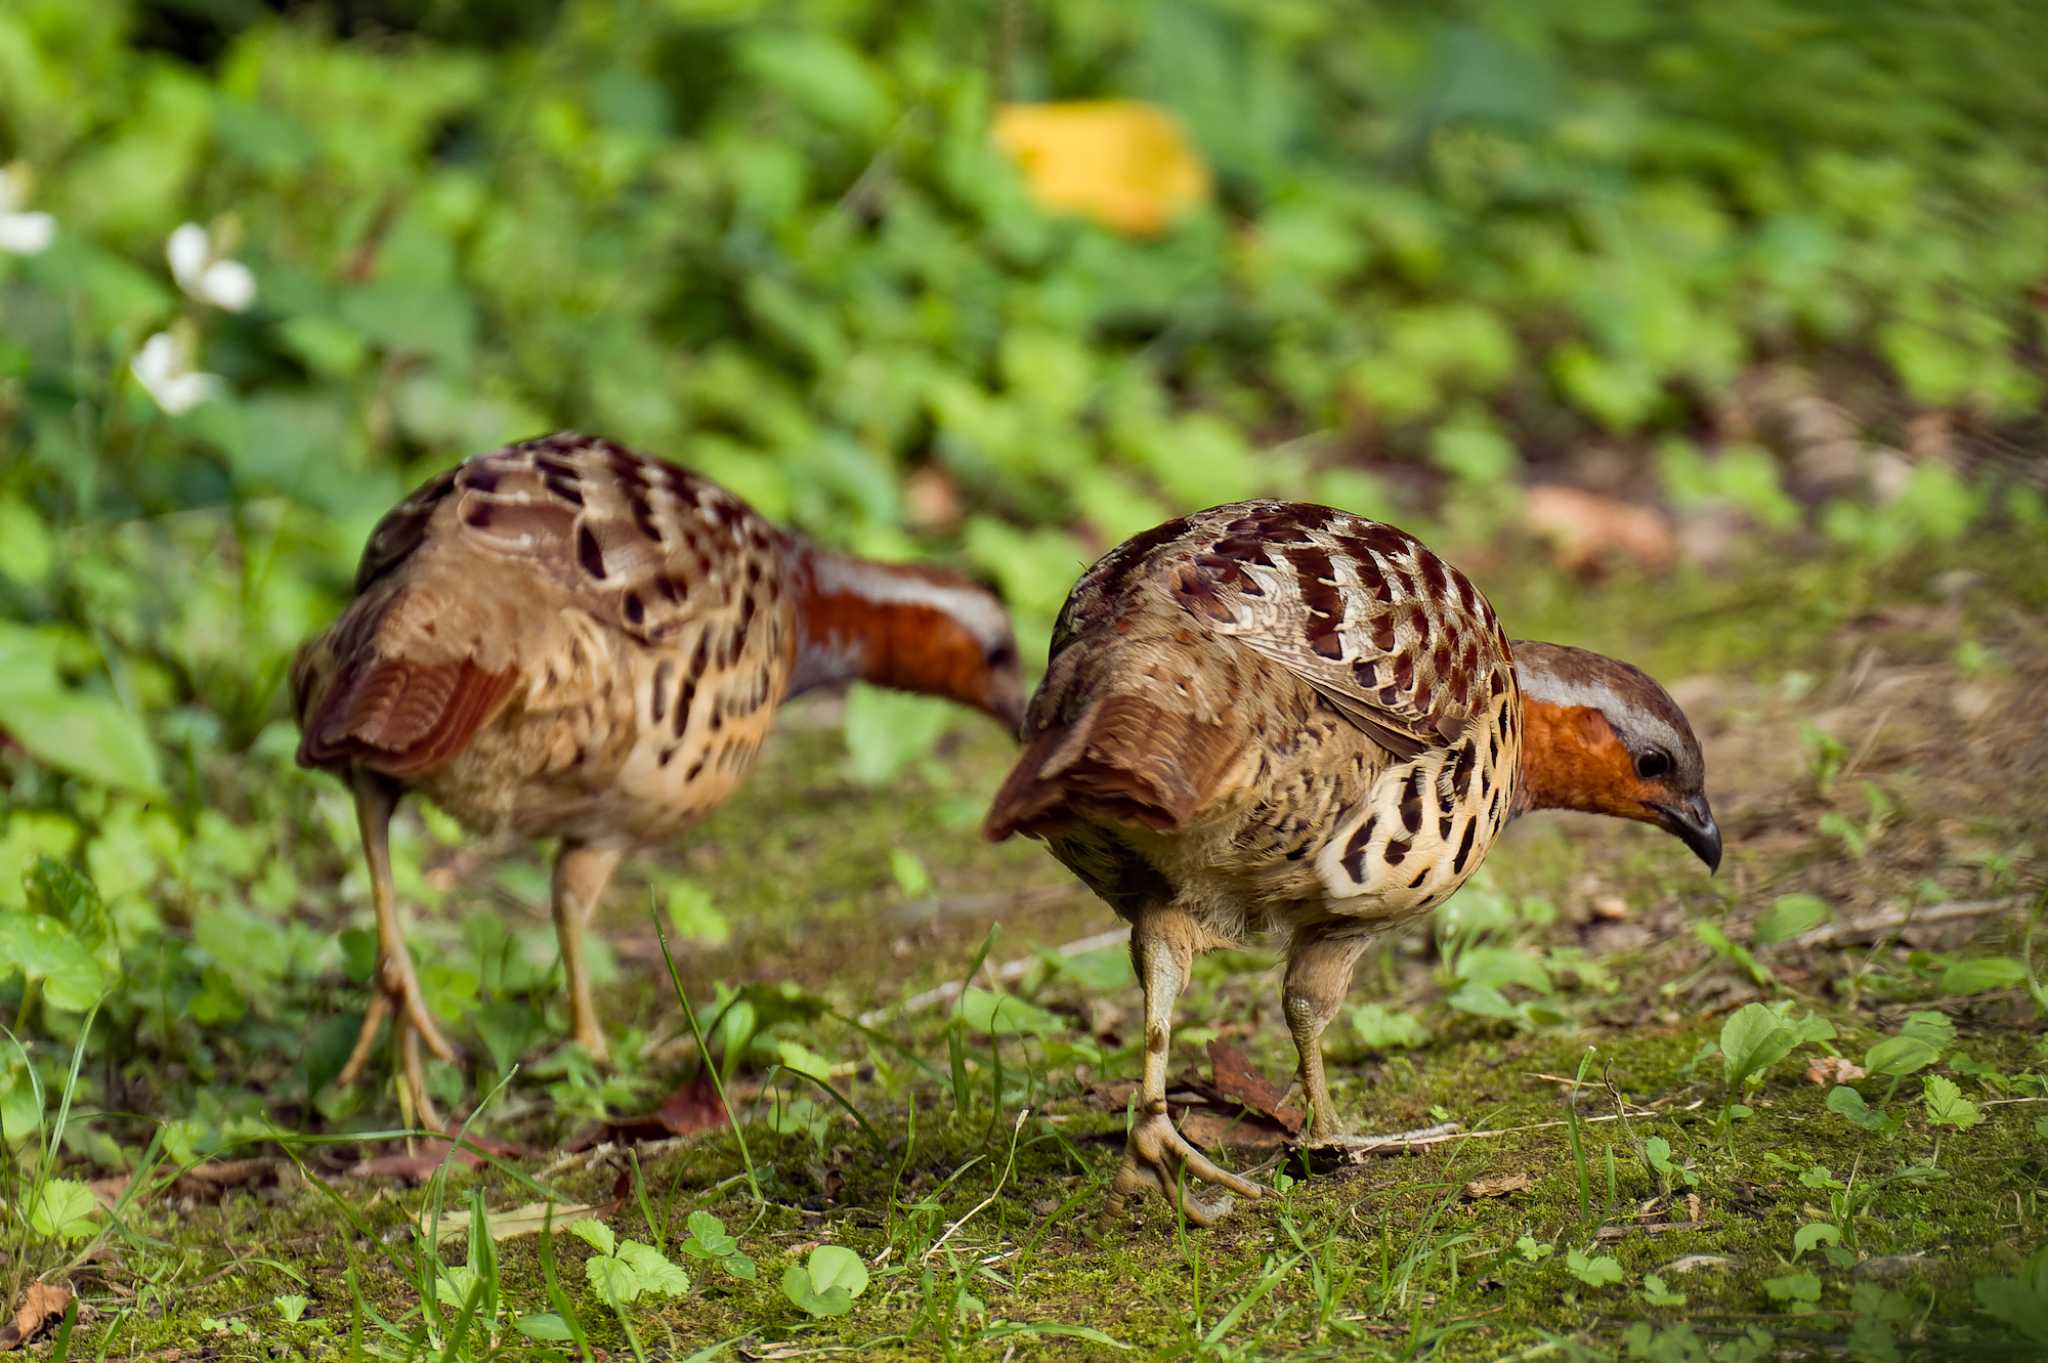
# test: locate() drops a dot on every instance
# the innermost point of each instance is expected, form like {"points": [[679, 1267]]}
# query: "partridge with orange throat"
{"points": [[1271, 717], [564, 638]]}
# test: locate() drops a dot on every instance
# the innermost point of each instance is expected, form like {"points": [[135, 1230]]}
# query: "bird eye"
{"points": [[1652, 765], [1001, 655]]}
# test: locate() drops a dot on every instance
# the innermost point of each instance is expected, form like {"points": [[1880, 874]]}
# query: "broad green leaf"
{"points": [[44, 949], [1983, 974], [1847, 1103], [85, 735], [1936, 1029], [694, 914], [1388, 1029], [547, 1326], [64, 1211], [1752, 1040], [708, 1236], [797, 1286], [653, 1269], [454, 1286], [1799, 1291], [887, 730], [1503, 966], [1946, 1105], [1005, 1015], [1657, 1293], [1814, 1233], [910, 875], [1788, 916], [613, 1279], [27, 549], [594, 1233], [1594, 1271], [1731, 950], [1900, 1055], [837, 1266]]}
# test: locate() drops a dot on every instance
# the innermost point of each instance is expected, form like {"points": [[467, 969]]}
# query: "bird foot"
{"points": [[1156, 1157], [590, 1037], [398, 998]]}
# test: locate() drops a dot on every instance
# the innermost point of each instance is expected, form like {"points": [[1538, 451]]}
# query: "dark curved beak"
{"points": [[1692, 823], [1008, 710]]}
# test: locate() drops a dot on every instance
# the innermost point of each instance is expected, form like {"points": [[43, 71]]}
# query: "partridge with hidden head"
{"points": [[564, 638], [1276, 718]]}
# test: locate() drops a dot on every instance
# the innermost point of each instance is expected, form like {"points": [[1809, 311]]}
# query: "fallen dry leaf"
{"points": [[1586, 530], [1126, 164], [692, 1108], [1500, 1185], [1208, 1128], [1833, 1069], [513, 1221], [419, 1164], [1238, 1081], [931, 499], [210, 1179], [41, 1307]]}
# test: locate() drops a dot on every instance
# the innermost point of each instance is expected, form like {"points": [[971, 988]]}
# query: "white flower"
{"points": [[164, 368], [21, 234], [207, 276]]}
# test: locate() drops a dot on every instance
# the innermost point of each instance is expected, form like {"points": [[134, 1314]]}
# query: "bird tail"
{"points": [[1123, 758], [387, 688]]}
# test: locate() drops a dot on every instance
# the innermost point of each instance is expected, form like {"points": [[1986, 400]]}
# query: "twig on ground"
{"points": [[993, 1193], [1356, 1148], [1879, 925]]}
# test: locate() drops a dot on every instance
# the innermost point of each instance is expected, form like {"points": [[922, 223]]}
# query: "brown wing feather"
{"points": [[1123, 758], [1397, 640], [472, 574]]}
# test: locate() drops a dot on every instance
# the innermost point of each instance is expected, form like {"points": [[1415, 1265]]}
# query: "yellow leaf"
{"points": [[1126, 164]]}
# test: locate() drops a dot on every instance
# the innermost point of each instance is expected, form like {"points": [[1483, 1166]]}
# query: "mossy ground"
{"points": [[986, 1233]]}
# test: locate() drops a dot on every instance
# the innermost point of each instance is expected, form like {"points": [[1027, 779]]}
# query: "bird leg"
{"points": [[1157, 1156], [398, 994], [582, 870], [1318, 974]]}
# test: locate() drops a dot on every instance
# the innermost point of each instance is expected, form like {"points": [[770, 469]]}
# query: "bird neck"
{"points": [[1571, 756], [892, 624], [1571, 759]]}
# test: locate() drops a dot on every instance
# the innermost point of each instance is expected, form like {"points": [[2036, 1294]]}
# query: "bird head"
{"points": [[1603, 737]]}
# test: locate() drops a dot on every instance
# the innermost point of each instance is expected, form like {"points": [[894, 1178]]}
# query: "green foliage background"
{"points": [[773, 241]]}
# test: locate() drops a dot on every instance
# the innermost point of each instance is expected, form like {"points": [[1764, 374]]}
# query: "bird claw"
{"points": [[1155, 1159], [398, 998]]}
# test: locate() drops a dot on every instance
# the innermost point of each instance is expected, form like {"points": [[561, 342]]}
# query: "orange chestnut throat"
{"points": [[1602, 737], [906, 626], [1572, 759]]}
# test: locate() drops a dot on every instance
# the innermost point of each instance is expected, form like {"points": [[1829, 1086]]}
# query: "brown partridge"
{"points": [[565, 638], [1277, 718]]}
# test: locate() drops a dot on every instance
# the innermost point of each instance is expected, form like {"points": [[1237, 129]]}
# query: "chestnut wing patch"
{"points": [[1394, 638]]}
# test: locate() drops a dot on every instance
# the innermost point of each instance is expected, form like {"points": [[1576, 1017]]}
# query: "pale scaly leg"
{"points": [[1157, 1155], [398, 988], [582, 870], [1318, 974]]}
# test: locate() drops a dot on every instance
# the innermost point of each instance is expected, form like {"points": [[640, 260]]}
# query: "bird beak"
{"points": [[1693, 824], [1008, 710]]}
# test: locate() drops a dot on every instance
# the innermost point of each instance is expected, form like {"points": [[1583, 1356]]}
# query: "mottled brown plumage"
{"points": [[1271, 717], [566, 638]]}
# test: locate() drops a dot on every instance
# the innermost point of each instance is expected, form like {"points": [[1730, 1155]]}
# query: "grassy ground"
{"points": [[1874, 743]]}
